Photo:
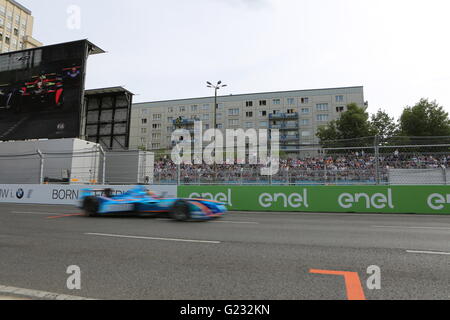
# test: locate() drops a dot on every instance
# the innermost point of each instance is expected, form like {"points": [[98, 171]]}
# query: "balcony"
{"points": [[184, 122], [285, 126], [284, 116], [289, 138]]}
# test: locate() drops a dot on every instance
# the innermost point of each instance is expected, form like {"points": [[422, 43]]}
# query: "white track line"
{"points": [[235, 222], [151, 238], [404, 227], [429, 252], [37, 294]]}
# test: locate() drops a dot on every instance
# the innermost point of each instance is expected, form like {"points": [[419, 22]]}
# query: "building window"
{"points": [[156, 136], [322, 117], [290, 101], [182, 109], [306, 110], [7, 40], [263, 124], [218, 116], [276, 101], [248, 125], [156, 126], [194, 108], [249, 104], [143, 130], [304, 100], [263, 102], [157, 117], [340, 109], [233, 122], [144, 121], [2, 10], [206, 117], [170, 109], [206, 107], [263, 113], [276, 112], [233, 112], [322, 107], [339, 98], [304, 122], [249, 114], [156, 145], [290, 111], [306, 133]]}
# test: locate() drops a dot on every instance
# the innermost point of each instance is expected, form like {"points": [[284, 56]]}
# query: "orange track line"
{"points": [[352, 283], [65, 215]]}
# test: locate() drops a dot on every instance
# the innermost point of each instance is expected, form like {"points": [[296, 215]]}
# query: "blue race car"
{"points": [[97, 202]]}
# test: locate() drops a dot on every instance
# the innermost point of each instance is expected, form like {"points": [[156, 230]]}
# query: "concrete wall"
{"points": [[19, 162]]}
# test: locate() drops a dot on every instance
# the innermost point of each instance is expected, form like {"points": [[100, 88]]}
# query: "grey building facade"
{"points": [[297, 114]]}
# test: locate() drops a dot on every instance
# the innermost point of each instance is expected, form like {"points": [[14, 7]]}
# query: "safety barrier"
{"points": [[359, 199], [63, 194]]}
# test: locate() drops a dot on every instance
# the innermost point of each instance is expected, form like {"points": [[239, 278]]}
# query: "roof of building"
{"points": [[118, 89], [93, 48], [20, 6], [262, 95]]}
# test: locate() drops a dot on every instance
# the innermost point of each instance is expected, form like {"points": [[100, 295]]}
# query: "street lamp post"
{"points": [[216, 88]]}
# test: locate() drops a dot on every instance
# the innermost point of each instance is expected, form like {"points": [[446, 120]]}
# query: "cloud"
{"points": [[250, 4]]}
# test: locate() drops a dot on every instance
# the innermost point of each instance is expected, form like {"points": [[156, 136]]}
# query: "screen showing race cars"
{"points": [[41, 92]]}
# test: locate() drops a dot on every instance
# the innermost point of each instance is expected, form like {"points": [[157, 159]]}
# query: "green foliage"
{"points": [[383, 126], [425, 119], [354, 123]]}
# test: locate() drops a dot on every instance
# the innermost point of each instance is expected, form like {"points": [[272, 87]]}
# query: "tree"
{"points": [[383, 125], [328, 132], [354, 123], [425, 119]]}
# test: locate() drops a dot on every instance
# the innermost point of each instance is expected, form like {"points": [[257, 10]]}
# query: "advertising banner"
{"points": [[64, 194], [359, 199]]}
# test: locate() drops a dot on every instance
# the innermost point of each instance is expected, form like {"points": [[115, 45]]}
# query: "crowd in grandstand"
{"points": [[351, 167]]}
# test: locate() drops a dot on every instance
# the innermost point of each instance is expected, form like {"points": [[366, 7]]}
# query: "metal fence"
{"points": [[93, 166], [366, 161]]}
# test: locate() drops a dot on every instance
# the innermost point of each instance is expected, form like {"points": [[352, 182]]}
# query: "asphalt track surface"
{"points": [[242, 256]]}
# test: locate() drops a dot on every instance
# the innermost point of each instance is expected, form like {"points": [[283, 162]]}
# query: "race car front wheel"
{"points": [[91, 206], [181, 211]]}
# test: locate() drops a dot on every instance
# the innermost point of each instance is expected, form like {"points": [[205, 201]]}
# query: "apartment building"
{"points": [[16, 27], [297, 114]]}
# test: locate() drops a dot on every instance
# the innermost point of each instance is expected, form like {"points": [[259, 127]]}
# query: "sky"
{"points": [[160, 50]]}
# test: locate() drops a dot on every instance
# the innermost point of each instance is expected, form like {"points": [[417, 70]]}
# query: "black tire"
{"points": [[180, 211], [91, 206]]}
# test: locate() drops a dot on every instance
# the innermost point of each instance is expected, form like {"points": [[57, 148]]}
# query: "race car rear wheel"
{"points": [[91, 206], [180, 211]]}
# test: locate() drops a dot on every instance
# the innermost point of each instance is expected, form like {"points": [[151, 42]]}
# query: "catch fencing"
{"points": [[364, 161]]}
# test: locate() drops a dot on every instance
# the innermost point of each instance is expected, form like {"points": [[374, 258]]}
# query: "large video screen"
{"points": [[41, 92]]}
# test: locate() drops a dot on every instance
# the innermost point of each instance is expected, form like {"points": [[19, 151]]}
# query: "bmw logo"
{"points": [[20, 193]]}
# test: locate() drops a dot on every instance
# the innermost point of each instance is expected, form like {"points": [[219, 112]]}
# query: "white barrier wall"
{"points": [[65, 194]]}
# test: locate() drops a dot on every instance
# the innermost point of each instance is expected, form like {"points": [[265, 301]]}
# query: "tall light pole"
{"points": [[216, 87]]}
